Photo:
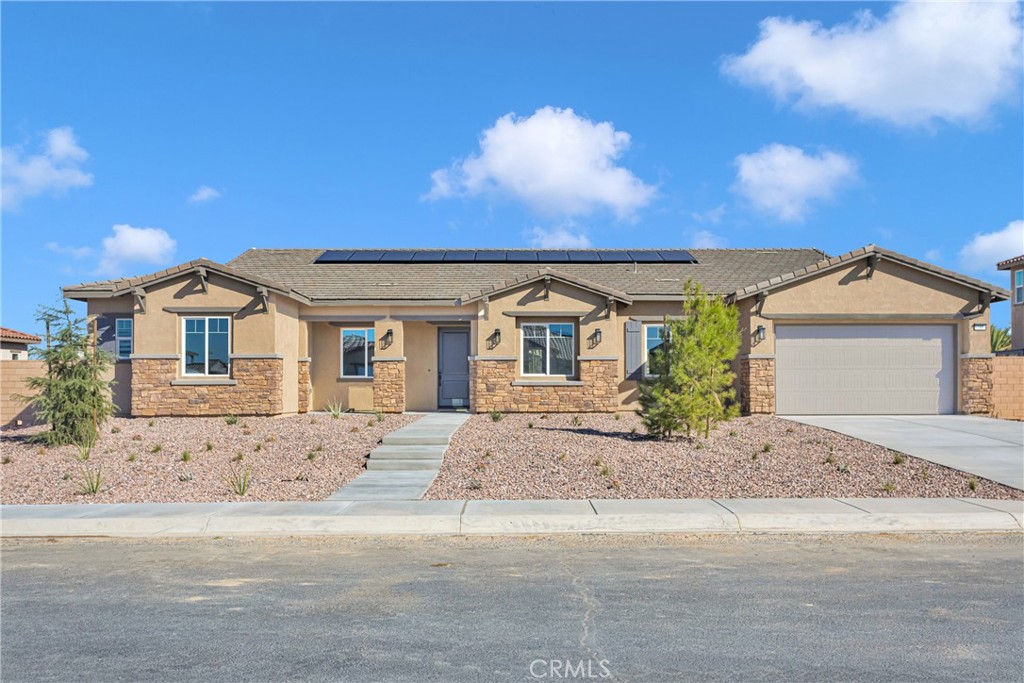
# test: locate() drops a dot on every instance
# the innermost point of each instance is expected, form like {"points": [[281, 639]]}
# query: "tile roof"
{"points": [[540, 275], [835, 261], [1010, 262], [718, 270], [126, 284], [7, 334]]}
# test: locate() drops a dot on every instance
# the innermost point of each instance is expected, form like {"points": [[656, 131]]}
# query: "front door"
{"points": [[453, 368]]}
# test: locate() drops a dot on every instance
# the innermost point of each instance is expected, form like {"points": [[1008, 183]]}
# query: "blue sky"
{"points": [[136, 136]]}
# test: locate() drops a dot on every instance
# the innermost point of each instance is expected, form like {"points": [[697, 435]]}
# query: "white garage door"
{"points": [[865, 369]]}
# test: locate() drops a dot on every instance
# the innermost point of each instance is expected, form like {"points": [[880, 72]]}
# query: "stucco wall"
{"points": [[646, 312], [325, 370], [286, 345]]}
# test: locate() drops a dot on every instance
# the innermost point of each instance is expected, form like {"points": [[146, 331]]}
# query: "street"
{"points": [[643, 608]]}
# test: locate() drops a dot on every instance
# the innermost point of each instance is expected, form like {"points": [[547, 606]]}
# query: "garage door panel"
{"points": [[865, 369]]}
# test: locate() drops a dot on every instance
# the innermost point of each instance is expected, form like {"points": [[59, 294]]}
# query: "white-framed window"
{"points": [[1018, 286], [654, 340], [15, 355], [357, 352], [206, 346], [124, 337], [548, 349]]}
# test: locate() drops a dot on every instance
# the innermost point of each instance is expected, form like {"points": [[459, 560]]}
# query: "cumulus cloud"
{"points": [[711, 216], [705, 239], [922, 61], [783, 181], [566, 236], [554, 161], [986, 249], [205, 193], [128, 245], [55, 168], [76, 253]]}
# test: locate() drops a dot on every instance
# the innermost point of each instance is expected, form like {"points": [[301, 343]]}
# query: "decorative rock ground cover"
{"points": [[298, 457], [531, 456]]}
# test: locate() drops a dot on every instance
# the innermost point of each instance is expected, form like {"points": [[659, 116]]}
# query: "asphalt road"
{"points": [[462, 609]]}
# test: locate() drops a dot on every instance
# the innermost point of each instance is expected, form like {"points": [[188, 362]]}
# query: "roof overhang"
{"points": [[873, 255], [1011, 263], [545, 275]]}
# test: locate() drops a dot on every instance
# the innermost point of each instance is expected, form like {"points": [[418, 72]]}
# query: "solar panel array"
{"points": [[506, 256]]}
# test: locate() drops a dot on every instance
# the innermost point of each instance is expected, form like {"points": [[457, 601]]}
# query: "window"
{"points": [[15, 355], [124, 342], [357, 353], [1018, 287], [207, 346], [654, 339], [548, 349]]}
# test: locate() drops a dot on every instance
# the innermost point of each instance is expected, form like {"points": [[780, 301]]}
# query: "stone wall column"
{"points": [[976, 385], [389, 385], [756, 385], [305, 387]]}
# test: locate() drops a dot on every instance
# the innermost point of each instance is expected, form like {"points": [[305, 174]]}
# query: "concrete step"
{"points": [[392, 452], [432, 438], [432, 464]]}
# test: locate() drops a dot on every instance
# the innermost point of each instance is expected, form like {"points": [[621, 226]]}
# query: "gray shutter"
{"points": [[634, 350], [106, 334]]}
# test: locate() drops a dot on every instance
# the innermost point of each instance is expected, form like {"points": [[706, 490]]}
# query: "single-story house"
{"points": [[14, 344], [1016, 267], [291, 330]]}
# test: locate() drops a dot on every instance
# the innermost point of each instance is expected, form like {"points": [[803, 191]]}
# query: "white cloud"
{"points": [[76, 253], [712, 216], [135, 245], [986, 249], [566, 236], [205, 193], [705, 239], [56, 168], [783, 181], [922, 61], [554, 161]]}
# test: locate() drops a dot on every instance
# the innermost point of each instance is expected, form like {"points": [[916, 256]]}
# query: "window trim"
{"points": [[647, 352], [206, 345], [118, 337], [367, 358], [547, 346], [1018, 286]]}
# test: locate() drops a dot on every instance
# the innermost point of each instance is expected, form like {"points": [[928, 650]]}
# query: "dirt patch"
{"points": [[298, 457], [598, 456]]}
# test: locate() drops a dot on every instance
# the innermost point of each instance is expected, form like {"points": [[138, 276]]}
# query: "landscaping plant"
{"points": [[71, 397], [690, 387], [1000, 337]]}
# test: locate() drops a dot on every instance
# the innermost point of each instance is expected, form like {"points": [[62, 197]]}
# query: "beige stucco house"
{"points": [[1016, 267], [291, 330]]}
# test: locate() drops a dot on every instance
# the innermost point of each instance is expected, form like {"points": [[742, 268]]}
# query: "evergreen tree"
{"points": [[71, 397], [691, 387]]}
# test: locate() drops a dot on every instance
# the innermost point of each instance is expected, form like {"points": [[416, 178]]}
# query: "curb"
{"points": [[514, 517]]}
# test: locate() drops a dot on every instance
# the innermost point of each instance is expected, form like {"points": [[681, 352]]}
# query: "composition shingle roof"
{"points": [[718, 270], [7, 334]]}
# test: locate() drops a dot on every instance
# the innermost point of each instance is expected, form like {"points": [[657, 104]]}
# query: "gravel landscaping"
{"points": [[600, 456], [299, 457]]}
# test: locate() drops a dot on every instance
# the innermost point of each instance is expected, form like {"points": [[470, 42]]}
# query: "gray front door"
{"points": [[453, 368]]}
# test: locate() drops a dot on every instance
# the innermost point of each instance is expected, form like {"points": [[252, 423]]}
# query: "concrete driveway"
{"points": [[983, 446]]}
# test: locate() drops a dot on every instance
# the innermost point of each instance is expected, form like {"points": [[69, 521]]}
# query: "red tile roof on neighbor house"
{"points": [[7, 334], [1011, 262]]}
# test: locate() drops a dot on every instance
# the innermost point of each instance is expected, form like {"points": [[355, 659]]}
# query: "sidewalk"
{"points": [[457, 517]]}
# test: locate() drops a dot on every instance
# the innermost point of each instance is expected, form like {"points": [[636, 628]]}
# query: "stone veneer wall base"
{"points": [[258, 389], [389, 386], [976, 386], [305, 386], [756, 386], [491, 388]]}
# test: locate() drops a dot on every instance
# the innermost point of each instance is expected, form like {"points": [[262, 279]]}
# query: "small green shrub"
{"points": [[270, 439], [132, 457], [115, 430], [311, 455], [767, 447], [92, 480], [301, 476], [563, 457], [698, 446], [888, 487], [238, 457], [529, 425], [732, 432], [239, 482], [605, 471], [186, 456], [790, 430], [137, 437], [830, 459], [496, 416], [150, 422], [972, 484], [334, 408], [208, 446], [84, 451], [754, 457], [898, 458], [379, 415], [231, 420], [616, 417], [632, 430], [923, 473], [258, 447], [7, 460], [576, 421], [156, 449]]}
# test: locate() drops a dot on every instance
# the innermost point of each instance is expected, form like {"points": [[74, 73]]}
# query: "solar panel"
{"points": [[677, 256], [521, 256], [645, 257], [433, 256], [398, 256], [334, 256], [490, 256], [552, 256], [583, 256], [458, 256], [614, 257], [366, 256]]}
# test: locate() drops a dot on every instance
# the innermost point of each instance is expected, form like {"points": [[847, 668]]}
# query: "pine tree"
{"points": [[71, 396], [692, 387]]}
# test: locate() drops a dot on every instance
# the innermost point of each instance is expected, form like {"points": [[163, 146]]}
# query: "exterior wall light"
{"points": [[597, 336], [388, 338], [759, 334], [979, 327]]}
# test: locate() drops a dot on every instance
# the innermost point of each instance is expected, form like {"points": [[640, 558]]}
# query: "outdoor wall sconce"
{"points": [[494, 339], [597, 336], [979, 327], [759, 334], [387, 339]]}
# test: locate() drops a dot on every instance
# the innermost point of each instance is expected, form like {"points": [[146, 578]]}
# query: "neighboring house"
{"points": [[1016, 267], [291, 330], [14, 345]]}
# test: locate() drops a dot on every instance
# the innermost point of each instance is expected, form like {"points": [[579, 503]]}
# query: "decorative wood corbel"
{"points": [[140, 298], [264, 298], [547, 288], [203, 283], [487, 307], [872, 264], [761, 296], [609, 306]]}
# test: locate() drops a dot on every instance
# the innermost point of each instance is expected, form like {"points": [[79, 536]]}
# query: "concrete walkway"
{"points": [[405, 464], [983, 446], [459, 517]]}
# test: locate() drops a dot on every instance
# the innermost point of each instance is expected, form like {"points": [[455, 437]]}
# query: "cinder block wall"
{"points": [[13, 374], [1008, 387]]}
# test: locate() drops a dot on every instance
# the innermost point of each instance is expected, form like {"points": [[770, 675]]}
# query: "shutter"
{"points": [[106, 334], [634, 350]]}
